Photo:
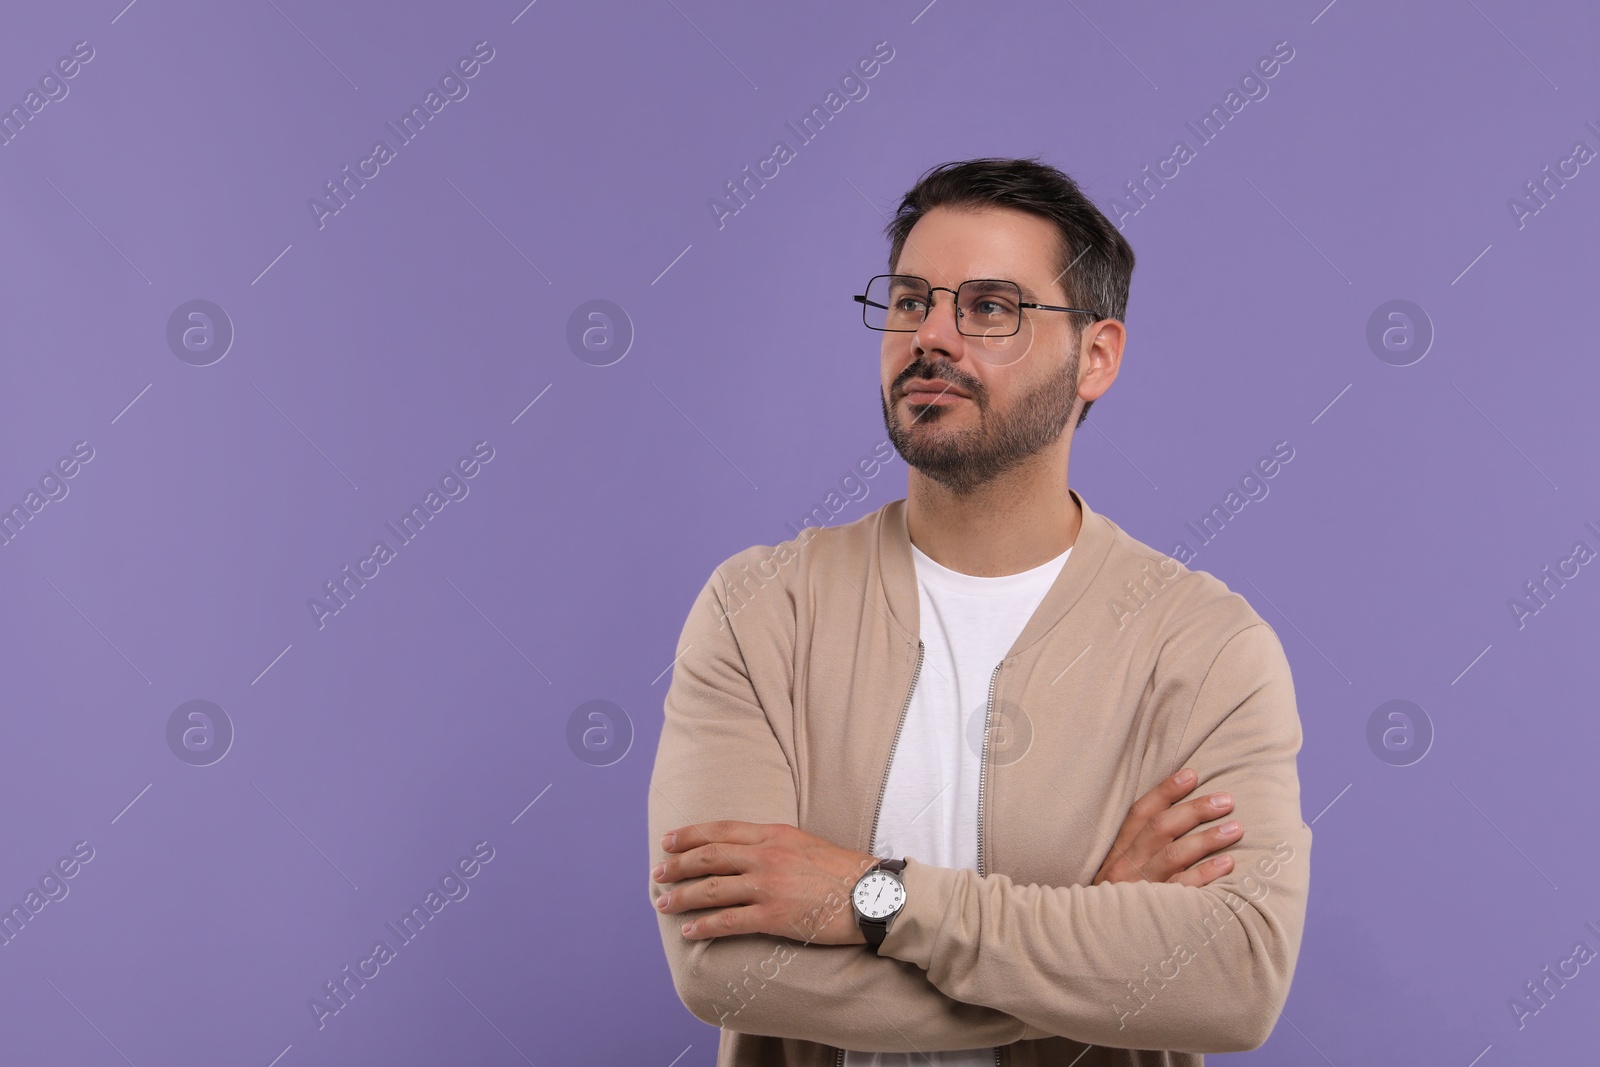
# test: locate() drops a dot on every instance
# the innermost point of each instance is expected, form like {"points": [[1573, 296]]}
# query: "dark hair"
{"points": [[1100, 258]]}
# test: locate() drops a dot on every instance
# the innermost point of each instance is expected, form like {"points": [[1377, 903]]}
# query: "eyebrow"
{"points": [[1027, 294]]}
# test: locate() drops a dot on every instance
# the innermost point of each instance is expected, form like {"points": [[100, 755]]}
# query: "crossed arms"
{"points": [[1200, 965]]}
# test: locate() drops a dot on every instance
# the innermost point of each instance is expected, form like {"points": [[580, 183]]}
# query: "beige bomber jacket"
{"points": [[795, 667]]}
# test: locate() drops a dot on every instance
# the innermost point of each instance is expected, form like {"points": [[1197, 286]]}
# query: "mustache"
{"points": [[937, 371]]}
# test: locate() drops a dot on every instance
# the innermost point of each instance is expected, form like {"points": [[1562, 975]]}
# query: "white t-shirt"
{"points": [[930, 805]]}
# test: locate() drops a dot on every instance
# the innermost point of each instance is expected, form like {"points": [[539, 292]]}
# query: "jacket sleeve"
{"points": [[719, 758], [1150, 965]]}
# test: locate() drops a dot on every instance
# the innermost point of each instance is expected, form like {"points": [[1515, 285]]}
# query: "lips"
{"points": [[925, 389]]}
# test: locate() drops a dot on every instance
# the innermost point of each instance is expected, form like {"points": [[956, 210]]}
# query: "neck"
{"points": [[1020, 520]]}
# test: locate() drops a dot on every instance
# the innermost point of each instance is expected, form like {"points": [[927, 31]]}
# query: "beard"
{"points": [[964, 460]]}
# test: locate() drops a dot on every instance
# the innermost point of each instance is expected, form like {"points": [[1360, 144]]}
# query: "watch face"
{"points": [[879, 895]]}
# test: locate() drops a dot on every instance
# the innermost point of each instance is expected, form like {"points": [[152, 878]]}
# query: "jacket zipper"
{"points": [[883, 786], [983, 768], [983, 762]]}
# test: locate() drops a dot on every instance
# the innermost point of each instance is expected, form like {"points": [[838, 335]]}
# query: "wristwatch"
{"points": [[877, 898]]}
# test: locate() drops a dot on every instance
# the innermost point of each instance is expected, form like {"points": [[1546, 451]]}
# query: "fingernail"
{"points": [[668, 841], [1229, 828], [656, 874], [1185, 777], [1221, 800], [663, 900], [688, 927]]}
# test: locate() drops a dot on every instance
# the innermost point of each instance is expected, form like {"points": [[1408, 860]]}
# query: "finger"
{"points": [[1158, 799], [1167, 826], [717, 922], [1165, 793], [1202, 874], [1185, 852], [718, 857], [718, 891], [745, 920], [686, 837]]}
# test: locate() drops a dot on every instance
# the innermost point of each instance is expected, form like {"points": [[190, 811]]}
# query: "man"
{"points": [[896, 754]]}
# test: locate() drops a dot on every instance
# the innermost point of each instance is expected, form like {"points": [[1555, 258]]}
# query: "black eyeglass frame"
{"points": [[861, 298]]}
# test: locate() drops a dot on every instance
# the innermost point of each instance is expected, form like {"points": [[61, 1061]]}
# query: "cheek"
{"points": [[892, 361], [1015, 351]]}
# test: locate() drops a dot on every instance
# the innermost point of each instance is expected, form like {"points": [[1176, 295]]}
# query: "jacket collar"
{"points": [[898, 573]]}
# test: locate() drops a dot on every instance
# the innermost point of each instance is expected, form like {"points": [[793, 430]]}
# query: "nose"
{"points": [[938, 332]]}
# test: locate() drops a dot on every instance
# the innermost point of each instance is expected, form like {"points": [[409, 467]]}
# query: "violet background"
{"points": [[433, 309]]}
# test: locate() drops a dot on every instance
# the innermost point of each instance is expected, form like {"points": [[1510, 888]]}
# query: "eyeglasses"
{"points": [[985, 307]]}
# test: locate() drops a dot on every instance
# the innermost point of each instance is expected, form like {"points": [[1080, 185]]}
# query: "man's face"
{"points": [[1003, 400]]}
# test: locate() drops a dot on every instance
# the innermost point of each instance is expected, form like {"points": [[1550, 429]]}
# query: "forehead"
{"points": [[949, 245]]}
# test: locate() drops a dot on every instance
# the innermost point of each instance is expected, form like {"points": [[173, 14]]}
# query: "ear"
{"points": [[1100, 357]]}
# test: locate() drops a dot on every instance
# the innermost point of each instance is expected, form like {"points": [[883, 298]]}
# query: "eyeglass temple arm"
{"points": [[1052, 307]]}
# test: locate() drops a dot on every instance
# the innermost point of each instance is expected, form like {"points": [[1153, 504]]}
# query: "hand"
{"points": [[1151, 846], [766, 878]]}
